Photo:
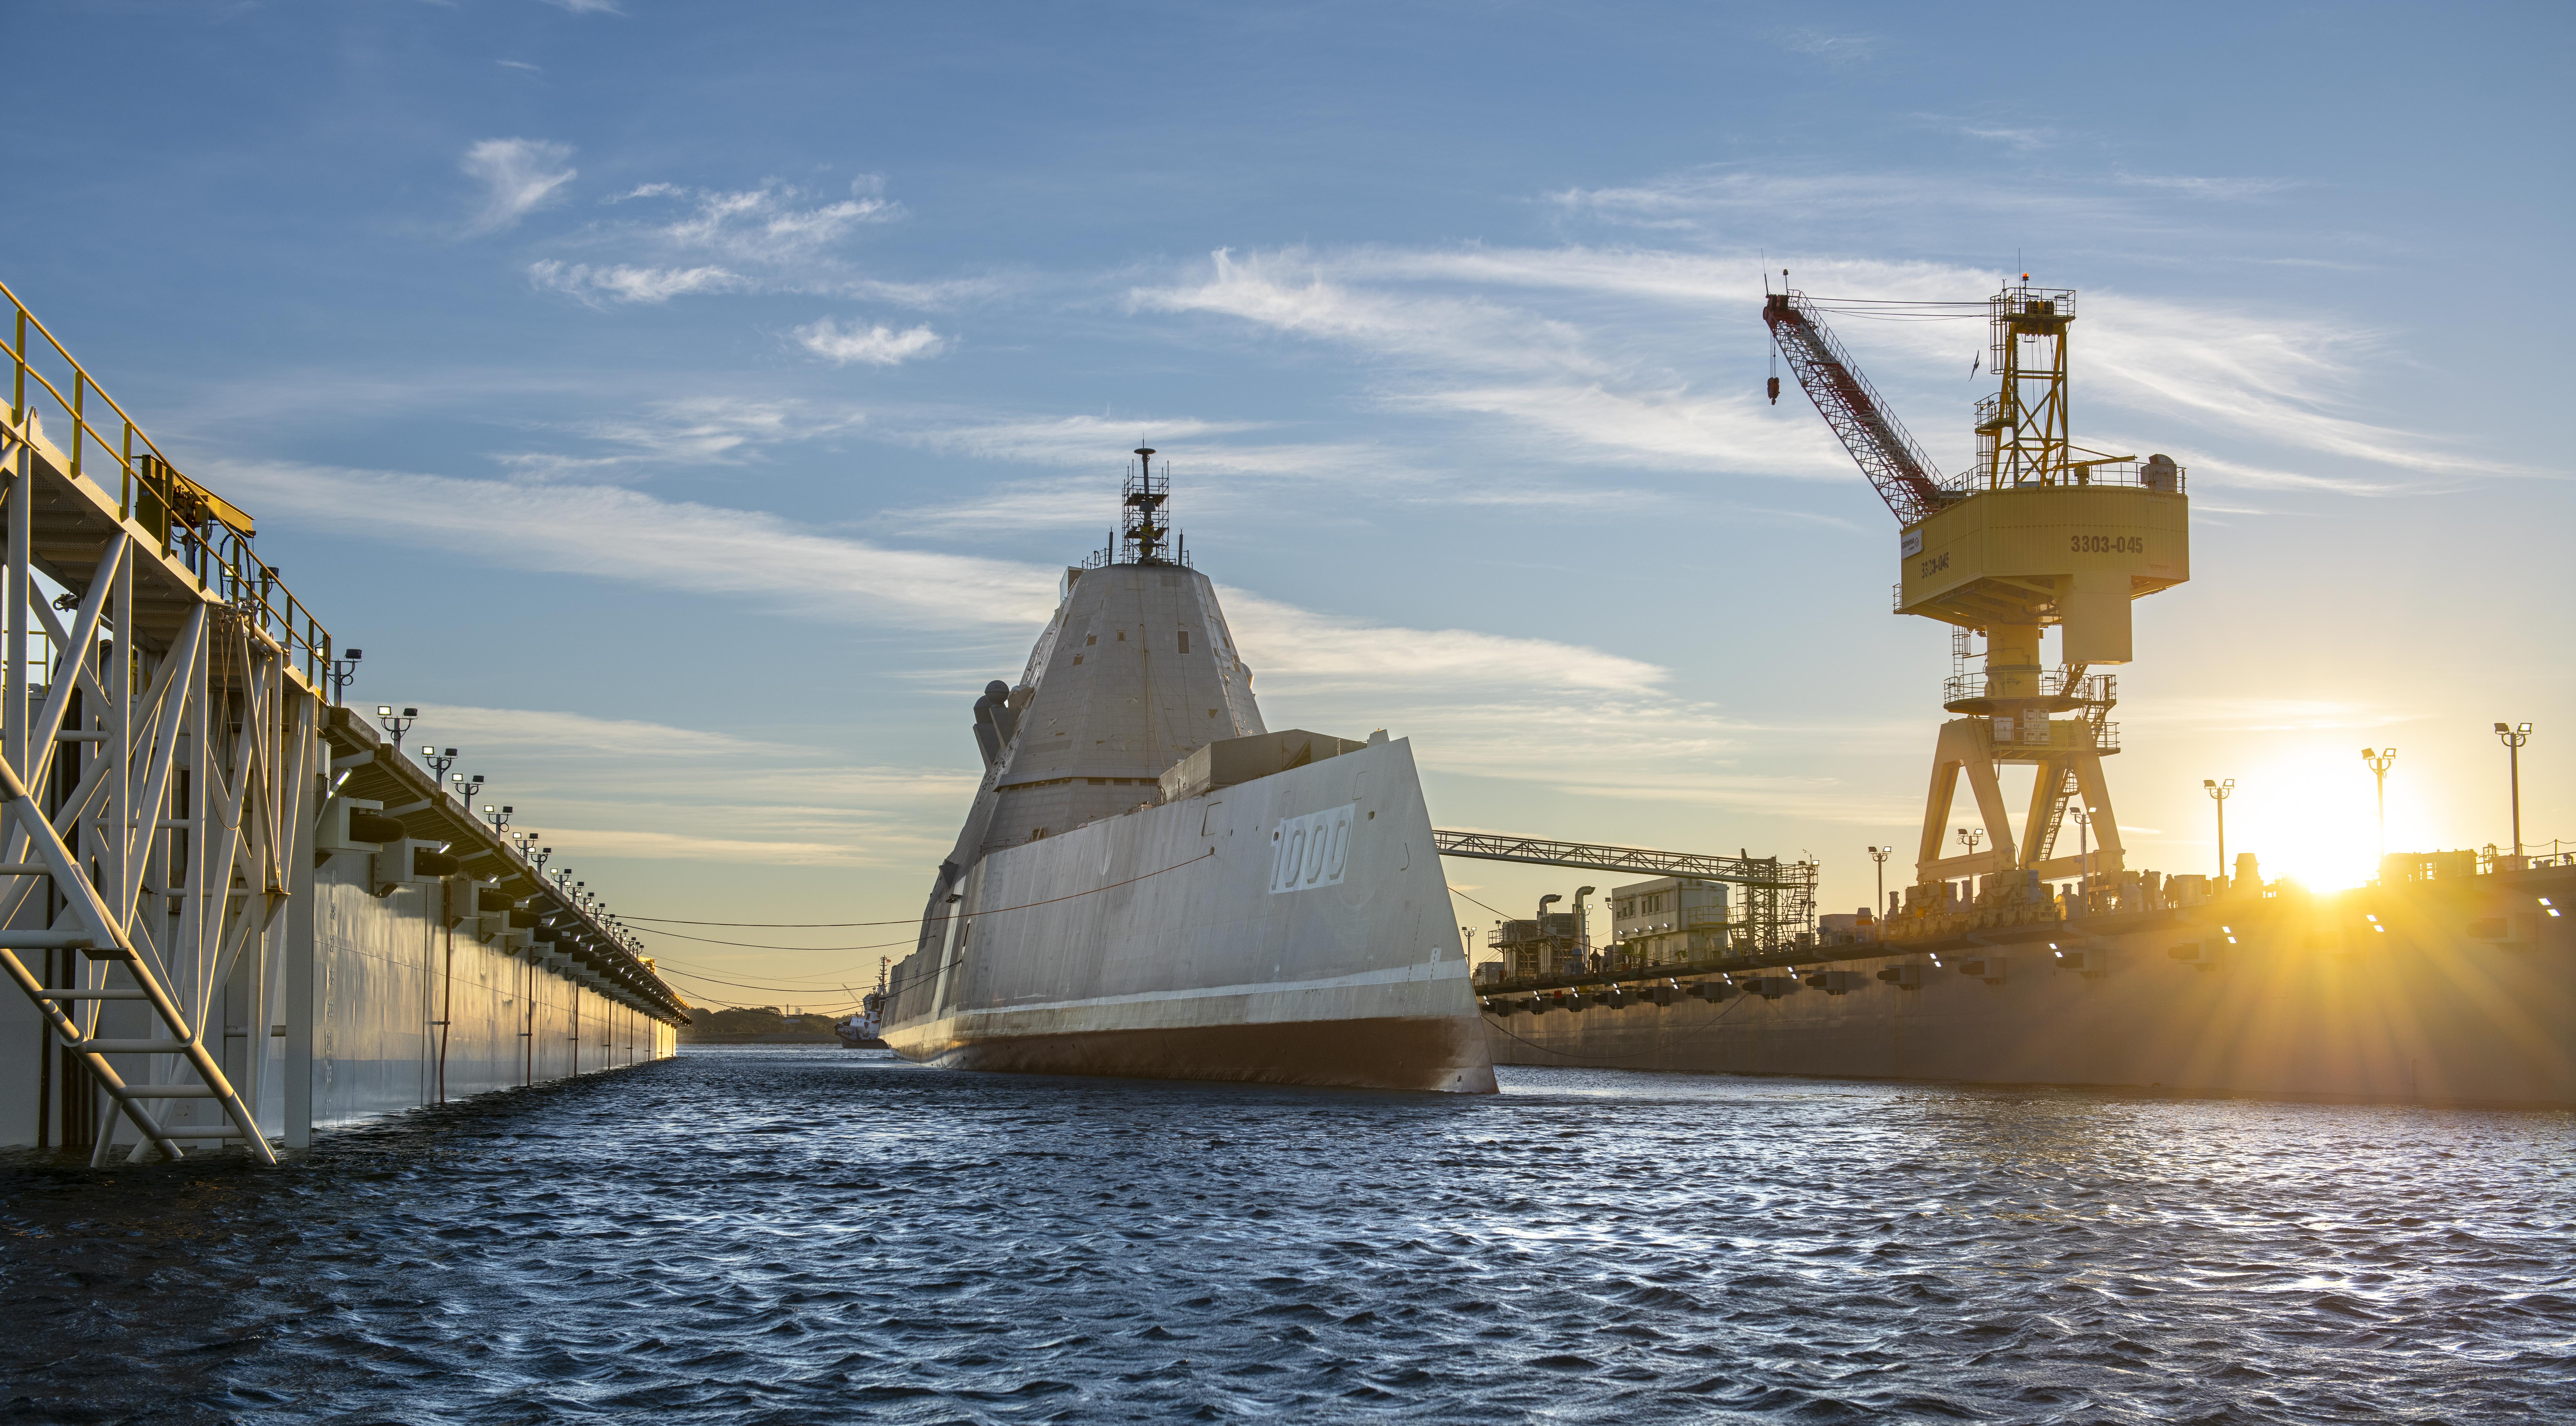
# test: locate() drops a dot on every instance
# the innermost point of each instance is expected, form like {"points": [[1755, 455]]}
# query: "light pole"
{"points": [[2380, 760], [341, 672], [1878, 907], [2514, 735], [2219, 792], [439, 760], [396, 723], [2083, 855]]}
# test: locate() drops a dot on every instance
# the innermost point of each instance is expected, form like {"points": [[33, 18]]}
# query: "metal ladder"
{"points": [[101, 939]]}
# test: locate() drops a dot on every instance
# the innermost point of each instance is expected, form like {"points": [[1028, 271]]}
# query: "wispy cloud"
{"points": [[691, 431], [619, 534], [2025, 138], [1320, 653], [518, 175], [599, 286], [773, 223], [589, 7], [2205, 187], [519, 64], [1601, 353], [579, 735], [613, 533], [878, 345], [1825, 45], [592, 787], [772, 237]]}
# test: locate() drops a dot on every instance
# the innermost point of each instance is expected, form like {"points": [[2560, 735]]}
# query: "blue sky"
{"points": [[692, 406]]}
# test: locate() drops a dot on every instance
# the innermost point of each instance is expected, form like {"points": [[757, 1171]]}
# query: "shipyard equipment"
{"points": [[2040, 532]]}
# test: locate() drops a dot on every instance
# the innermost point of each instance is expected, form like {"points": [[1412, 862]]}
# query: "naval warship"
{"points": [[1150, 882]]}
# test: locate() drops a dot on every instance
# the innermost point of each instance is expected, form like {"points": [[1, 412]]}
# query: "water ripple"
{"points": [[787, 1235]]}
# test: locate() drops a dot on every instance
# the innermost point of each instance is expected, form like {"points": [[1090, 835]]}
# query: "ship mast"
{"points": [[1143, 532]]}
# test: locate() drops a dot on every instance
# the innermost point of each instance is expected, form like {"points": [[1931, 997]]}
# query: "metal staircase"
{"points": [[159, 774]]}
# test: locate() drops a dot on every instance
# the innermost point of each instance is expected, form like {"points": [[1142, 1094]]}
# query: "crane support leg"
{"points": [[1964, 748], [2108, 858], [1936, 812]]}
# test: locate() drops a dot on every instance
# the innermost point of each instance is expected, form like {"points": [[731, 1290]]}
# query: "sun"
{"points": [[2311, 814]]}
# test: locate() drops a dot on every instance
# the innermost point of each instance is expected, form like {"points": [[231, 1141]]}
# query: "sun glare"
{"points": [[2311, 815]]}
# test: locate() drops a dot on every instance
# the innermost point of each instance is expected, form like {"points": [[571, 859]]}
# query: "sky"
{"points": [[690, 408]]}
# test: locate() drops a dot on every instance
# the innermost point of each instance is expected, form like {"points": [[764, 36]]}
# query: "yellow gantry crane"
{"points": [[2043, 532]]}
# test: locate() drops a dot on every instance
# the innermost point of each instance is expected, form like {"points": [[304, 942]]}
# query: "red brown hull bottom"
{"points": [[1444, 1053]]}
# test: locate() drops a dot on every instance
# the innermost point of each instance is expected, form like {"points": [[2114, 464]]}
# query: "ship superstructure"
{"points": [[1151, 882]]}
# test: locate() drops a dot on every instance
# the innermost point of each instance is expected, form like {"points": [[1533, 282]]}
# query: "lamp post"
{"points": [[439, 760], [342, 671], [396, 723], [2513, 736], [2219, 792], [1969, 837], [2380, 759], [1878, 906], [2083, 817]]}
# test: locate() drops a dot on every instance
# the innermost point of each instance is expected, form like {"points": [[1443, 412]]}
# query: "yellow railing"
{"points": [[183, 520]]}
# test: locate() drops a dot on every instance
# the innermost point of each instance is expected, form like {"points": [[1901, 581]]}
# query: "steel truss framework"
{"points": [[1779, 898], [159, 787]]}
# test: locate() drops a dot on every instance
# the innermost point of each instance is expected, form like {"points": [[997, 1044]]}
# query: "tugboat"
{"points": [[866, 1030]]}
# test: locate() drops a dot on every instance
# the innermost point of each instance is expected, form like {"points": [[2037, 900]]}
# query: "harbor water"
{"points": [[783, 1234]]}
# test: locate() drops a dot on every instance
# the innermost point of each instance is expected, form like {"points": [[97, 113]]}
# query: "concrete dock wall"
{"points": [[365, 986], [388, 971], [2310, 1001]]}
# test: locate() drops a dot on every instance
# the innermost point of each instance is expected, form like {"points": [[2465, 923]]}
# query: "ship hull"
{"points": [[1424, 1052], [1294, 929]]}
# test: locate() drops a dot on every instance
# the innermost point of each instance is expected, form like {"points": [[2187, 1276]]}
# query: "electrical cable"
{"points": [[1504, 914], [910, 921], [752, 985], [759, 946], [704, 969]]}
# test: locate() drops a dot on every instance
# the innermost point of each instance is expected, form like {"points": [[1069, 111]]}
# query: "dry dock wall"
{"points": [[2310, 1002], [409, 1007], [385, 1003]]}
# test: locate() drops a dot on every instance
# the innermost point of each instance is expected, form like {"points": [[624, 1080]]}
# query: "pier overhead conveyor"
{"points": [[1776, 911], [2039, 533]]}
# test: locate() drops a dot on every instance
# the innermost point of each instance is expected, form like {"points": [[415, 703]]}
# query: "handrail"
{"points": [[213, 541]]}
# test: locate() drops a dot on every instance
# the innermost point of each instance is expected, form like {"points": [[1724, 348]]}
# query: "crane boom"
{"points": [[1904, 475]]}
